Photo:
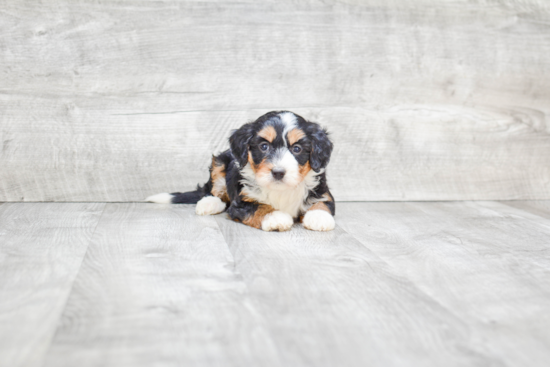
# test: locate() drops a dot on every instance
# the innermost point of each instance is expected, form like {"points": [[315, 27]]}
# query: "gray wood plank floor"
{"points": [[396, 284], [41, 249]]}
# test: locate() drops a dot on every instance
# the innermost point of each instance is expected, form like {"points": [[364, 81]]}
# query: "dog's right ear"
{"points": [[239, 140]]}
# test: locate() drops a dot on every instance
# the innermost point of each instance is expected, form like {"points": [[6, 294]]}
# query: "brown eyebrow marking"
{"points": [[268, 133], [294, 135]]}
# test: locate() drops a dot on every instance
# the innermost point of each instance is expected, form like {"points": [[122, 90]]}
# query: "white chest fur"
{"points": [[289, 200]]}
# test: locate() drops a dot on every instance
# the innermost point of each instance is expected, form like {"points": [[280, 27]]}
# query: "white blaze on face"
{"points": [[286, 161], [289, 121], [283, 160]]}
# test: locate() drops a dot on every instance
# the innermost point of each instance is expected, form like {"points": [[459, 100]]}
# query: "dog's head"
{"points": [[281, 148]]}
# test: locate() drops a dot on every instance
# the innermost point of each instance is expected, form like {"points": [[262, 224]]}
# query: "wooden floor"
{"points": [[408, 284]]}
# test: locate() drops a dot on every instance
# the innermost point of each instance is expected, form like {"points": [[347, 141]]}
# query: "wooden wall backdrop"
{"points": [[426, 100]]}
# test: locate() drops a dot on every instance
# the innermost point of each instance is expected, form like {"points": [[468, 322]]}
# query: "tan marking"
{"points": [[225, 197], [217, 174], [268, 133], [319, 206], [218, 170], [294, 135], [245, 197], [264, 168], [303, 170], [255, 220], [327, 196], [253, 165], [260, 168], [251, 161]]}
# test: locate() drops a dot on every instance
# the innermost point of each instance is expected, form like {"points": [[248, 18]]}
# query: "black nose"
{"points": [[278, 173]]}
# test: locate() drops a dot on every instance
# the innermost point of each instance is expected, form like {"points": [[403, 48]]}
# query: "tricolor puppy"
{"points": [[273, 176]]}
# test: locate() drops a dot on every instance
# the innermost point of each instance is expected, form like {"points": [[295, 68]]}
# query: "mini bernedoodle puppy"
{"points": [[272, 177]]}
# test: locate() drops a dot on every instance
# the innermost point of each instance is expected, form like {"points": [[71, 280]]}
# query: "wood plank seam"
{"points": [[412, 287], [60, 315]]}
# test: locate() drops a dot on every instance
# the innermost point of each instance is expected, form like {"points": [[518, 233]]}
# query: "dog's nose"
{"points": [[278, 173]]}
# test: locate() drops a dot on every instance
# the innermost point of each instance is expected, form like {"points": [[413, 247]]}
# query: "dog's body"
{"points": [[273, 175]]}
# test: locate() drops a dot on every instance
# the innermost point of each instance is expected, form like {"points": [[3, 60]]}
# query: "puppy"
{"points": [[272, 177]]}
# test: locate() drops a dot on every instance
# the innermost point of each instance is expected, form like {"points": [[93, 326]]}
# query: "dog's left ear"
{"points": [[238, 142], [321, 147]]}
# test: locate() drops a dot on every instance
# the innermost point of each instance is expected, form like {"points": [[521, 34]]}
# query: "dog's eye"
{"points": [[296, 149], [264, 147]]}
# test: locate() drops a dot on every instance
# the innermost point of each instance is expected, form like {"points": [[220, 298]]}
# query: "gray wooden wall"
{"points": [[426, 100]]}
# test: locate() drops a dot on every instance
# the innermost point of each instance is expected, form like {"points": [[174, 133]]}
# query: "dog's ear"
{"points": [[238, 142], [321, 147]]}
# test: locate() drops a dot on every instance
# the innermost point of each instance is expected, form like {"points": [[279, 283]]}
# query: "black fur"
{"points": [[239, 142], [239, 209], [321, 146], [193, 197], [320, 190]]}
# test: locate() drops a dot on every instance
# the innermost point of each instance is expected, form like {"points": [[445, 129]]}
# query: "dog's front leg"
{"points": [[260, 216], [320, 216]]}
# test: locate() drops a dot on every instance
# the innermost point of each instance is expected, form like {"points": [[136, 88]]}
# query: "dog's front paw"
{"points": [[277, 221], [318, 220], [209, 205]]}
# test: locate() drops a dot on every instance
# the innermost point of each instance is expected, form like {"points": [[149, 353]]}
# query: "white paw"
{"points": [[209, 205], [163, 198], [318, 220], [277, 221]]}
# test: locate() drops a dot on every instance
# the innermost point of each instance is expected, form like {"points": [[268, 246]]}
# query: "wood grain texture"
{"points": [[114, 101], [489, 263], [41, 249], [430, 284], [537, 207], [329, 301], [158, 287]]}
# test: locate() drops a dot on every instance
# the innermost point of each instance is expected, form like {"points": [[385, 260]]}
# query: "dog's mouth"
{"points": [[288, 183], [279, 186]]}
